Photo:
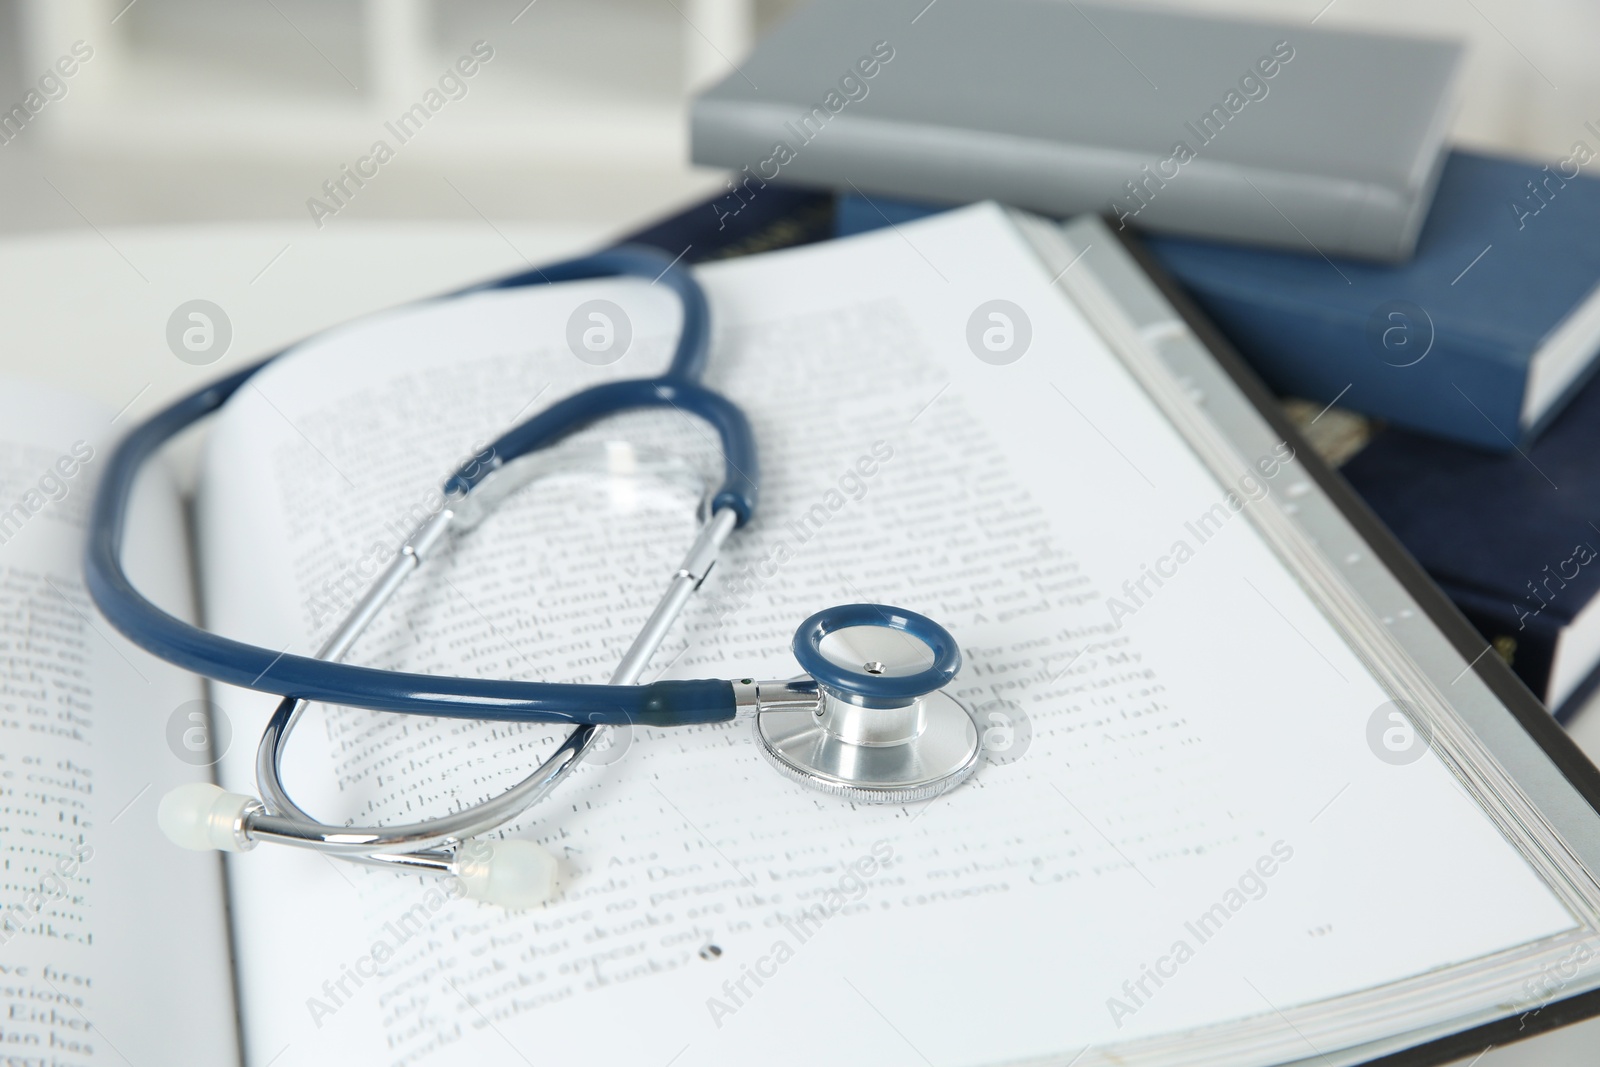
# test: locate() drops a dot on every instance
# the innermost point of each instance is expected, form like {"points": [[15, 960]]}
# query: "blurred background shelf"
{"points": [[580, 112], [198, 110], [605, 80]]}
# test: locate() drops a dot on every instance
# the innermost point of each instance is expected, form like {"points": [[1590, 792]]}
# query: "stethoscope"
{"points": [[868, 720]]}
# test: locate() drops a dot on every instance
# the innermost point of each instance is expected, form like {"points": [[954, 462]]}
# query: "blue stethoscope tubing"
{"points": [[660, 703]]}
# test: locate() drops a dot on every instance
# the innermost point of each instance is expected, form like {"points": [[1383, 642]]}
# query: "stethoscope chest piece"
{"points": [[873, 722]]}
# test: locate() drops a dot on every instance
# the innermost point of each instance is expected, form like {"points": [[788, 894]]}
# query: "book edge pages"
{"points": [[1562, 359], [1487, 782]]}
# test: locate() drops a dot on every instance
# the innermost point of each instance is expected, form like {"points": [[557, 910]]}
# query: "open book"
{"points": [[1242, 802]]}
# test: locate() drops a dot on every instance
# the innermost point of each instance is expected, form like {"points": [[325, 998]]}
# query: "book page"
{"points": [[113, 944], [1180, 820]]}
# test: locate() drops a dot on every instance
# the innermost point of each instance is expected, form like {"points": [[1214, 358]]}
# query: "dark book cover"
{"points": [[1513, 539]]}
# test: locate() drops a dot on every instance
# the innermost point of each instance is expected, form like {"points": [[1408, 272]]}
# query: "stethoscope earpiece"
{"points": [[510, 872], [871, 720]]}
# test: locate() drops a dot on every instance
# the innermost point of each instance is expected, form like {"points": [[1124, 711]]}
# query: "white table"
{"points": [[87, 310]]}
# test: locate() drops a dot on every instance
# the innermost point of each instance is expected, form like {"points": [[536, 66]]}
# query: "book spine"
{"points": [[774, 142]]}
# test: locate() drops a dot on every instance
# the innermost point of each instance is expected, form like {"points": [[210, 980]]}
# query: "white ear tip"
{"points": [[202, 816], [513, 874]]}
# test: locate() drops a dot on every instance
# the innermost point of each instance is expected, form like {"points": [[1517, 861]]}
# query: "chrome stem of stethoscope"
{"points": [[515, 873]]}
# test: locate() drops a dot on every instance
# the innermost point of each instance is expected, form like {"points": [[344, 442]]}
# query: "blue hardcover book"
{"points": [[1514, 540], [1481, 338]]}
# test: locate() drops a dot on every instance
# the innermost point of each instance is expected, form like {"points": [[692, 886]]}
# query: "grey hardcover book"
{"points": [[1291, 136]]}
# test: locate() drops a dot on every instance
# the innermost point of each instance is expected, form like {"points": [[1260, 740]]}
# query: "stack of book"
{"points": [[1298, 183]]}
